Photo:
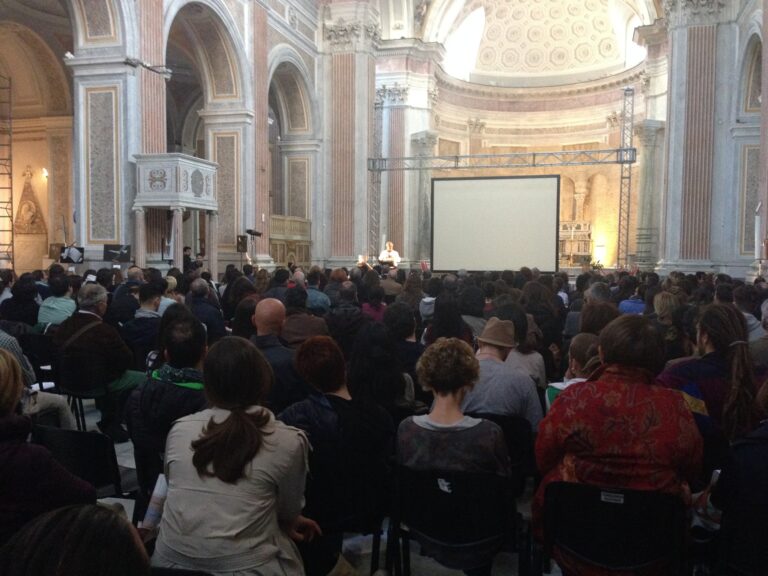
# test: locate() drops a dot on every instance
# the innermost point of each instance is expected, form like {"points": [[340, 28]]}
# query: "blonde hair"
{"points": [[11, 383], [665, 303]]}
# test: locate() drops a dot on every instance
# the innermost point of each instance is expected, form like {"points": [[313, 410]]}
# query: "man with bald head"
{"points": [[288, 387]]}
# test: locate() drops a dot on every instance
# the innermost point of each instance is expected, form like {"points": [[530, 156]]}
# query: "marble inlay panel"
{"points": [[103, 148], [99, 20], [298, 186], [226, 154], [61, 158], [750, 195]]}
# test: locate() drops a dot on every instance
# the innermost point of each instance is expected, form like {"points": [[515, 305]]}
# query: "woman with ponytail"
{"points": [[719, 386], [235, 476]]}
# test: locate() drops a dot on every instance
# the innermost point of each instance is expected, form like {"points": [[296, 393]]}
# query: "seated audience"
{"points": [[669, 323], [523, 355], [59, 305], [401, 324], [501, 388], [279, 285], [299, 324], [331, 289], [618, 429], [235, 476], [351, 444], [472, 304], [32, 481], [169, 392], [93, 354], [170, 295], [746, 300], [595, 316]]}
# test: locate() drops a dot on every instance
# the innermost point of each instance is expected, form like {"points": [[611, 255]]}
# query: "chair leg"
{"points": [[376, 549], [81, 412], [406, 543], [392, 552]]}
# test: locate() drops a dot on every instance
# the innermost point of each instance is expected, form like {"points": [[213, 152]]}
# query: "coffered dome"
{"points": [[539, 42]]}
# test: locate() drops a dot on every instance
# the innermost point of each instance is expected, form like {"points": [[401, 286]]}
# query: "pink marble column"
{"points": [[763, 193], [343, 74], [177, 235], [261, 111], [396, 212], [140, 242]]}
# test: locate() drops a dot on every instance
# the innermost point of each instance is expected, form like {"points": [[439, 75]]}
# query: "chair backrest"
{"points": [[39, 350], [88, 455], [519, 439], [615, 529], [77, 373], [454, 508]]}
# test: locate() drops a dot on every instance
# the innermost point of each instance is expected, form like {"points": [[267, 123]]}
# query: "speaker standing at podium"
{"points": [[389, 256]]}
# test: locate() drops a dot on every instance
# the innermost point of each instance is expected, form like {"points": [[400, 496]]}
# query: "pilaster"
{"points": [[650, 135]]}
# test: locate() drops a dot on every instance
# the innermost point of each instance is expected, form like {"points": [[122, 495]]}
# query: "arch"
{"points": [[289, 74], [567, 208], [43, 90], [220, 50], [750, 84], [105, 23]]}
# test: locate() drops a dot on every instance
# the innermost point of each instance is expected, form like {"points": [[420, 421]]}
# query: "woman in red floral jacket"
{"points": [[618, 429]]}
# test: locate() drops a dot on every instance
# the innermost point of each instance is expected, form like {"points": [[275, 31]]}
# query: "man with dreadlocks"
{"points": [[719, 386]]}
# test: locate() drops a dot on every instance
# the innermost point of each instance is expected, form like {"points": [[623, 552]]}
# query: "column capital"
{"points": [[648, 132], [424, 142], [138, 209], [686, 13]]}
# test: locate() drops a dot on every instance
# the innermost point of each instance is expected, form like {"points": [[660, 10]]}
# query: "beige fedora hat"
{"points": [[499, 333]]}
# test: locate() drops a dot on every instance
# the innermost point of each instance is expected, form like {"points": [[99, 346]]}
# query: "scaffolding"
{"points": [[6, 174], [625, 156]]}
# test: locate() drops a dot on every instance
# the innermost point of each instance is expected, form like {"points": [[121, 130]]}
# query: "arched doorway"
{"points": [[293, 161]]}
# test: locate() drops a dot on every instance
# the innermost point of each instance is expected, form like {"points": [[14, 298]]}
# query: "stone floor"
{"points": [[356, 559]]}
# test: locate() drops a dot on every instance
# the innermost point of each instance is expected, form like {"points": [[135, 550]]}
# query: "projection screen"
{"points": [[495, 223]]}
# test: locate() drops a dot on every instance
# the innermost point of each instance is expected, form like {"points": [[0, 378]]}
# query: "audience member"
{"points": [[375, 308], [318, 302], [523, 355], [618, 429], [205, 311], [392, 288], [472, 305], [299, 324], [140, 334], [83, 540], [88, 346], [352, 443], [401, 324], [288, 387], [447, 321], [22, 305], [59, 305], [278, 285], [346, 318], [501, 388], [235, 499], [332, 288], [719, 387], [33, 482], [242, 323], [169, 392]]}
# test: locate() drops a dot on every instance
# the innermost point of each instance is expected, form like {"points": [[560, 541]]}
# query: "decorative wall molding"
{"points": [[396, 94], [343, 35], [692, 12]]}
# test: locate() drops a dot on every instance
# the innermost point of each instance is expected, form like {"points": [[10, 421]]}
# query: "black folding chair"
{"points": [[615, 529], [519, 439], [461, 519], [39, 350], [88, 455], [80, 378]]}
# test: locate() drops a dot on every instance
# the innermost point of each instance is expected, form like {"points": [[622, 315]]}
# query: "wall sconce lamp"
{"points": [[45, 173]]}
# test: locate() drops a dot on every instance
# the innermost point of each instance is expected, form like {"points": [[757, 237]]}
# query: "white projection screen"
{"points": [[494, 223]]}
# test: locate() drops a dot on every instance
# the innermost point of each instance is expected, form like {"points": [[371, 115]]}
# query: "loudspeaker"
{"points": [[242, 243]]}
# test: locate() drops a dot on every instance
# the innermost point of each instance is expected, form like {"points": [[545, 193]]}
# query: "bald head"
{"points": [[268, 317]]}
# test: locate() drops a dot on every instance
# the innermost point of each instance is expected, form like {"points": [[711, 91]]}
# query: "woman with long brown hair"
{"points": [[235, 476]]}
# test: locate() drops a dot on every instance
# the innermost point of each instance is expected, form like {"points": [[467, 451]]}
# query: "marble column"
{"points": [[140, 238], [650, 135], [763, 190], [258, 217], [697, 223], [351, 33], [423, 144], [212, 242], [177, 236]]}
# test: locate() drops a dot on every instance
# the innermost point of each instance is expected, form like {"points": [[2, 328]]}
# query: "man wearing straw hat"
{"points": [[501, 389]]}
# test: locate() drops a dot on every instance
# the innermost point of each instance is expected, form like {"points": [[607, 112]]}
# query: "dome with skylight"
{"points": [[538, 42]]}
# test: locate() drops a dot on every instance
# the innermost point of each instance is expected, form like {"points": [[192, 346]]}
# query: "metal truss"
{"points": [[6, 172], [513, 160], [625, 192], [625, 156]]}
